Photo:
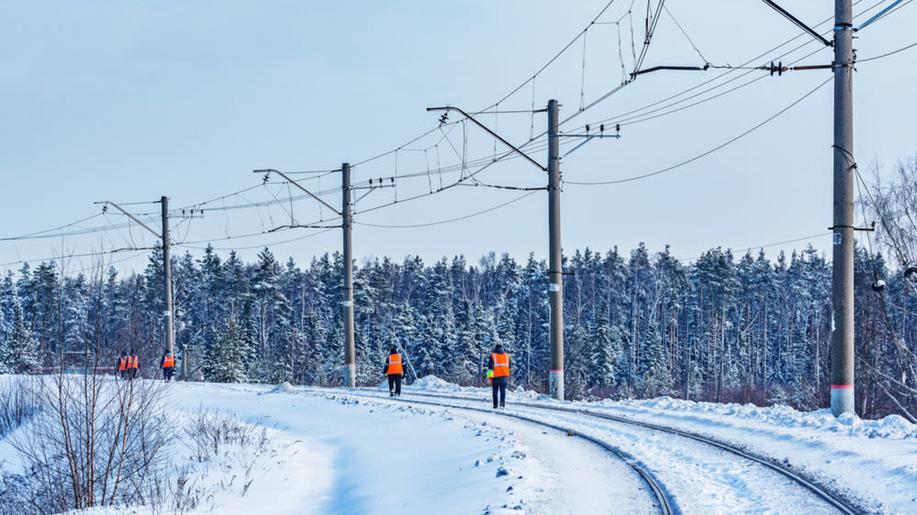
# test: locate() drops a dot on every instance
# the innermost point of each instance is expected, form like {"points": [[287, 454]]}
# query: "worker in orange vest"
{"points": [[499, 364], [394, 370], [133, 365], [167, 364], [122, 365]]}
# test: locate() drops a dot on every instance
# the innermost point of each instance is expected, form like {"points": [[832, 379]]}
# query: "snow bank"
{"points": [[435, 384], [431, 383], [283, 387], [873, 461], [890, 427]]}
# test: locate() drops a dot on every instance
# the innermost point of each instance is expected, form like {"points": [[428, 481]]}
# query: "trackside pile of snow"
{"points": [[873, 461], [890, 427]]}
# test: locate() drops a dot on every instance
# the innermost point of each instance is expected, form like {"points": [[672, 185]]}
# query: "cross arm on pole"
{"points": [[300, 186], [492, 133], [127, 214]]}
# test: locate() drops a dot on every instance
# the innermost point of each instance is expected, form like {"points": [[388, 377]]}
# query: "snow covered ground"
{"points": [[334, 451], [381, 457], [871, 461]]}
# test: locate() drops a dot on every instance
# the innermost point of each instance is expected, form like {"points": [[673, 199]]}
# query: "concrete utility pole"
{"points": [[163, 235], [555, 258], [167, 277], [346, 214], [350, 363], [555, 250], [842, 343]]}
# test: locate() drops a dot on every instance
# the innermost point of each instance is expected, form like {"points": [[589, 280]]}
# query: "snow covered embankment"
{"points": [[872, 460], [370, 457]]}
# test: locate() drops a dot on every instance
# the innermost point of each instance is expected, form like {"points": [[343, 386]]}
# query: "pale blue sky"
{"points": [[129, 100]]}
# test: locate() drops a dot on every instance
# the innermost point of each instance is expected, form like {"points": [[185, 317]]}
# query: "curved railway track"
{"points": [[656, 489], [835, 501]]}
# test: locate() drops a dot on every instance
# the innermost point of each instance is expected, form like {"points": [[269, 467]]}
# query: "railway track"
{"points": [[824, 494], [661, 498]]}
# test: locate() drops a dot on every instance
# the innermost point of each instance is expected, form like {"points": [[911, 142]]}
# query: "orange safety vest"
{"points": [[394, 365], [122, 363], [501, 364], [168, 362], [133, 362]]}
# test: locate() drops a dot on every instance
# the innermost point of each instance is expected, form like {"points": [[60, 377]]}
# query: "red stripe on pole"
{"points": [[841, 386]]}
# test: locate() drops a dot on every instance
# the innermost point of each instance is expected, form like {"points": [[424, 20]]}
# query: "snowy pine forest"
{"points": [[640, 324]]}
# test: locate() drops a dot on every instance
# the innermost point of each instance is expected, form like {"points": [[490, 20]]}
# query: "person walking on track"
{"points": [[394, 370], [499, 364], [167, 363], [133, 365], [122, 365]]}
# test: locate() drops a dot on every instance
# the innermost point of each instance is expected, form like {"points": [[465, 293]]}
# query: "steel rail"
{"points": [[819, 491], [661, 496]]}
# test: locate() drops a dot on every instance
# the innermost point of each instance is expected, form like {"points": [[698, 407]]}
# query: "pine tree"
{"points": [[19, 353], [226, 362], [7, 305]]}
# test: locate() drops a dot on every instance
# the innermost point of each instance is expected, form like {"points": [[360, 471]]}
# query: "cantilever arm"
{"points": [[300, 186], [796, 21], [132, 217], [492, 133]]}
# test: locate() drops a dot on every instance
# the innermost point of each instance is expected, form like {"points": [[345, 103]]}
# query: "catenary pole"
{"points": [[168, 315], [842, 336], [350, 367], [555, 260], [555, 250]]}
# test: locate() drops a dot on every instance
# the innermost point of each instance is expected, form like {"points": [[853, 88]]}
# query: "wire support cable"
{"points": [[887, 54], [729, 70], [708, 152], [449, 220]]}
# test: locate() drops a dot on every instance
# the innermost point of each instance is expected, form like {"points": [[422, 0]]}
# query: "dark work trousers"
{"points": [[394, 384], [499, 386], [167, 373]]}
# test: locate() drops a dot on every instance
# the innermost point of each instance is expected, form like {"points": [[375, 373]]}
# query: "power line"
{"points": [[451, 220], [652, 19], [484, 163], [685, 34], [887, 54], [552, 59], [267, 244], [78, 232], [767, 245], [729, 70], [53, 229], [70, 256], [708, 152], [655, 113], [508, 95]]}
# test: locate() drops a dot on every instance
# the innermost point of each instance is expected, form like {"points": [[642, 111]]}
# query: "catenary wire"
{"points": [[449, 220], [708, 152]]}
